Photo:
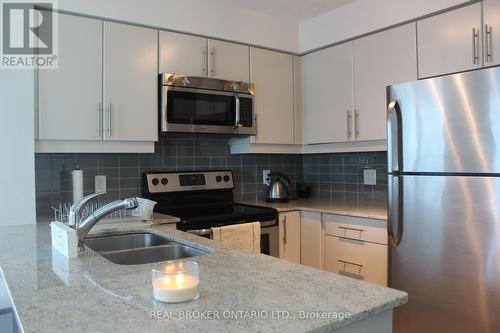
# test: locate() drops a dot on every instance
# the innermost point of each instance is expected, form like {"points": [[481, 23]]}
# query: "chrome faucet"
{"points": [[83, 227]]}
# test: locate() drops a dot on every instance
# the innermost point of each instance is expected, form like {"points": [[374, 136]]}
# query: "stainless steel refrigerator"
{"points": [[444, 202]]}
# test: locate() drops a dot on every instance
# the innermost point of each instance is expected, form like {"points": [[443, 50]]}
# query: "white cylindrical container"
{"points": [[77, 176], [178, 281]]}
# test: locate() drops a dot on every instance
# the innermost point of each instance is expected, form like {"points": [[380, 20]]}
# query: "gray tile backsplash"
{"points": [[332, 176]]}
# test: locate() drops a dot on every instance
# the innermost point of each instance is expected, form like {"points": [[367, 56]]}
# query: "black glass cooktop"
{"points": [[202, 217]]}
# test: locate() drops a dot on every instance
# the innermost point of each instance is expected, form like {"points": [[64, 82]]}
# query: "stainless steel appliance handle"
{"points": [[395, 211], [201, 232], [475, 45], [237, 110], [99, 111], [284, 230], [349, 121], [488, 41], [394, 137]]}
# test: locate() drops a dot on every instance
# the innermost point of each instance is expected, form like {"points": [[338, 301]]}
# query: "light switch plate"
{"points": [[265, 178], [370, 176], [100, 184]]}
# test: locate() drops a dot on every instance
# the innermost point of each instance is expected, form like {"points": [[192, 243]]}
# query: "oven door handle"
{"points": [[200, 232]]}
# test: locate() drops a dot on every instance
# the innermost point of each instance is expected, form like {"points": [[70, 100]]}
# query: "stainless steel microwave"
{"points": [[205, 105]]}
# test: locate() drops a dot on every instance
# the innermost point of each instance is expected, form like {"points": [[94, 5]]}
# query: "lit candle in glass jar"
{"points": [[178, 281]]}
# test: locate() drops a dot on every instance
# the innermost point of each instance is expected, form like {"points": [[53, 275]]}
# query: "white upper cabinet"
{"points": [[328, 94], [450, 42], [130, 83], [182, 54], [70, 97], [491, 32], [380, 60], [228, 61], [272, 73]]}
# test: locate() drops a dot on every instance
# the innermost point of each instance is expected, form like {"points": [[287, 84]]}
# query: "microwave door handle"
{"points": [[237, 109]]}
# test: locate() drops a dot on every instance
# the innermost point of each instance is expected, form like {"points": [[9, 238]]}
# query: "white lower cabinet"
{"points": [[358, 259], [289, 236], [311, 239], [356, 247]]}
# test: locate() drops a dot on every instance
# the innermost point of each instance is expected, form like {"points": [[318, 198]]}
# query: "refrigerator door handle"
{"points": [[394, 138], [395, 211]]}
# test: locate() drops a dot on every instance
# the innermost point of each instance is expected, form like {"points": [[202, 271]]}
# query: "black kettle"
{"points": [[277, 190]]}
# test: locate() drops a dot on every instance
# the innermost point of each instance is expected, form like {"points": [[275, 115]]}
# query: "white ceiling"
{"points": [[296, 10]]}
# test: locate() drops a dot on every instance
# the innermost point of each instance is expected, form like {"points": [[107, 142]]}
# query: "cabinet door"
{"points": [[491, 32], [182, 54], [328, 94], [311, 239], [375, 68], [69, 98], [446, 42], [130, 83], [289, 231], [228, 61], [358, 259], [272, 73]]}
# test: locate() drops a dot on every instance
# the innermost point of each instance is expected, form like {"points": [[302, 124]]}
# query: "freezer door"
{"points": [[448, 254], [448, 124]]}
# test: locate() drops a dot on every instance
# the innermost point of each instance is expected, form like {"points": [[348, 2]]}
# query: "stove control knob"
{"points": [[155, 181], [226, 178], [218, 179], [164, 181]]}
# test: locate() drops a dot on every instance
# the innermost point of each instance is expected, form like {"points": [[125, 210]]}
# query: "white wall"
{"points": [[204, 17], [364, 16], [17, 164]]}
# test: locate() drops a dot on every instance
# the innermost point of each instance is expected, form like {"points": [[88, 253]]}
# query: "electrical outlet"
{"points": [[100, 184], [370, 176], [265, 177]]}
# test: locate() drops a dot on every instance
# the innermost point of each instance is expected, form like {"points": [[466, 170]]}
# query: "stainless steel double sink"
{"points": [[140, 248]]}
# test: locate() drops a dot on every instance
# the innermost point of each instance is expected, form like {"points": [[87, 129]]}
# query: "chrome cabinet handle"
{"points": [[349, 120], [350, 263], [351, 229], [475, 46], [237, 109], [99, 112], [284, 230], [110, 108], [394, 138], [356, 123], [212, 62], [488, 42], [204, 61]]}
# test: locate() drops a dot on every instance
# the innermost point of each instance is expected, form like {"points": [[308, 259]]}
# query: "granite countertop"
{"points": [[91, 294], [339, 208]]}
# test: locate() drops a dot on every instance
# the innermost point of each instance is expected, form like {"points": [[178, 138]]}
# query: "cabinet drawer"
{"points": [[369, 230], [358, 259]]}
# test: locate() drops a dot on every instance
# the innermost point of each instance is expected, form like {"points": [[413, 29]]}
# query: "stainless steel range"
{"points": [[204, 199]]}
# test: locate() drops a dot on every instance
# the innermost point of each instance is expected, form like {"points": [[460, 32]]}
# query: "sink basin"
{"points": [[140, 248]]}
